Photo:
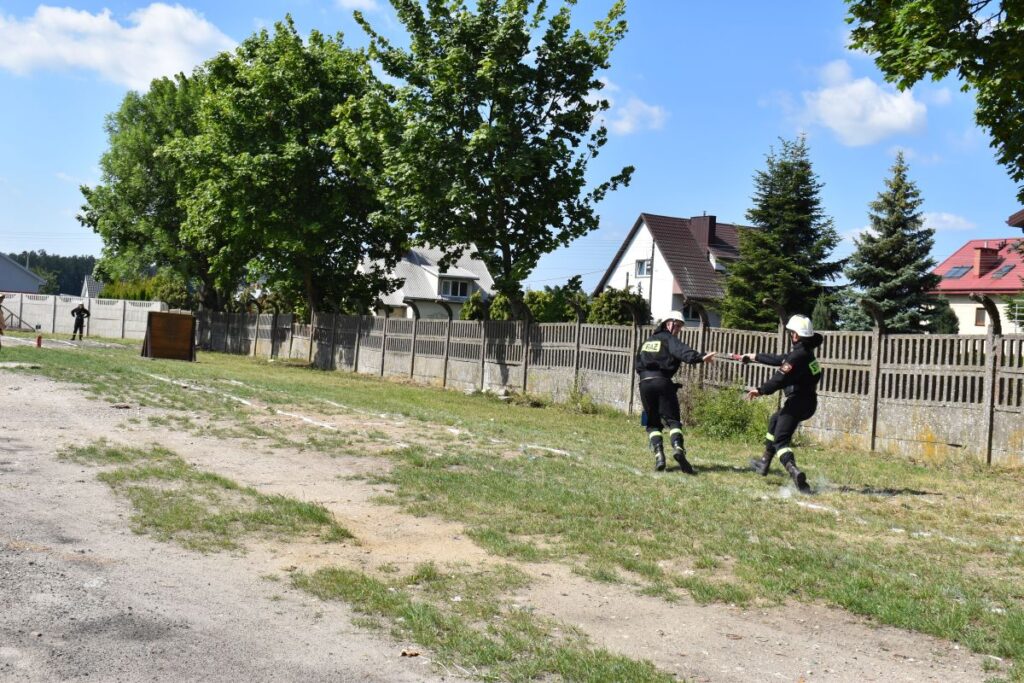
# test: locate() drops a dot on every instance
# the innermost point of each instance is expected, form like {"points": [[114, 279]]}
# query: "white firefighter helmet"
{"points": [[801, 324], [673, 315]]}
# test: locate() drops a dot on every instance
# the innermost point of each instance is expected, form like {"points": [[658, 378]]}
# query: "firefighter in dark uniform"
{"points": [[797, 376], [80, 313], [656, 364]]}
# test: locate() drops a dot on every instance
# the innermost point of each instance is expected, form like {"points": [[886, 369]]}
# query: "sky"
{"points": [[700, 93]]}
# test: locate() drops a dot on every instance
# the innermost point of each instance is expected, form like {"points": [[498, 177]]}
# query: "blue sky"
{"points": [[700, 93]]}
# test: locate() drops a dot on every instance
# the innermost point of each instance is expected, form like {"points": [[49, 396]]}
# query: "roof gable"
{"points": [[14, 264], [680, 246], [420, 271]]}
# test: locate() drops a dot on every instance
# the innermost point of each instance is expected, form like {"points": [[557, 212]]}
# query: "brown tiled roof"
{"points": [[686, 258], [1016, 220]]}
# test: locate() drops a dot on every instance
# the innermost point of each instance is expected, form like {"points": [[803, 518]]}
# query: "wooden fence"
{"points": [[931, 396]]}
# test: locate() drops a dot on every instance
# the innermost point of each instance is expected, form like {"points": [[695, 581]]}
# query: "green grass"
{"points": [[462, 619], [936, 549], [201, 511]]}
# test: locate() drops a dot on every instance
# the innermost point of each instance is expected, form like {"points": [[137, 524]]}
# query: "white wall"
{"points": [[115, 318], [625, 273], [965, 312]]}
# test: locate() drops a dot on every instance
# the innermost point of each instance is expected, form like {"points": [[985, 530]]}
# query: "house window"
{"points": [[979, 317], [956, 272], [1003, 270], [457, 289], [643, 267], [690, 313]]}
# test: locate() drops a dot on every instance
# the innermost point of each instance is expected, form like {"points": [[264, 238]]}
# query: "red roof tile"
{"points": [[1007, 254]]}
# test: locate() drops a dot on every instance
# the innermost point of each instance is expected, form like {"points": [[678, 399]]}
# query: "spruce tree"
{"points": [[891, 264], [786, 258]]}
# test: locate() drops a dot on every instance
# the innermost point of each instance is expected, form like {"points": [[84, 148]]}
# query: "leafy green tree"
{"points": [[556, 304], [786, 259], [474, 308], [50, 281], [891, 264], [69, 271], [500, 107], [500, 308], [944, 320], [823, 317], [615, 306], [978, 40], [283, 169], [137, 207]]}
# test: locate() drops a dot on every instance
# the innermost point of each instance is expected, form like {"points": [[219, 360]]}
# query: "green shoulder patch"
{"points": [[814, 367]]}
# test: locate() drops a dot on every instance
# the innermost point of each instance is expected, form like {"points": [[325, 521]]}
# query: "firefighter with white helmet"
{"points": [[797, 375], [656, 363]]}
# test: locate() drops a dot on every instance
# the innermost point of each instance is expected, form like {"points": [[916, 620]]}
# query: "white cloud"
{"points": [[946, 222], [859, 111], [157, 40], [367, 5], [636, 115]]}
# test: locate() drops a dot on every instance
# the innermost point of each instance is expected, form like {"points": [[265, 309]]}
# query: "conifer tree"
{"points": [[786, 258], [892, 264]]}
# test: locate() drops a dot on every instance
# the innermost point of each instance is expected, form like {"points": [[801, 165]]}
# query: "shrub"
{"points": [[724, 414]]}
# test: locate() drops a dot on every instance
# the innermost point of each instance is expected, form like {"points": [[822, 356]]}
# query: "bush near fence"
{"points": [[936, 397]]}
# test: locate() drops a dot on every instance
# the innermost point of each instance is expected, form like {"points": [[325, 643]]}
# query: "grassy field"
{"points": [[933, 549]]}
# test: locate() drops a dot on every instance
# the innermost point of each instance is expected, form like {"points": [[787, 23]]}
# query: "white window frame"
{"points": [[455, 289], [642, 268]]}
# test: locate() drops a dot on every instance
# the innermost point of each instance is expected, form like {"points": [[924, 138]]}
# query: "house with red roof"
{"points": [[674, 262], [994, 267]]}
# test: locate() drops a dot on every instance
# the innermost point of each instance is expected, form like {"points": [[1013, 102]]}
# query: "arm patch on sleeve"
{"points": [[786, 368]]}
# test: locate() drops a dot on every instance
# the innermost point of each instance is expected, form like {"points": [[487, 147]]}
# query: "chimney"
{"points": [[985, 259], [703, 228]]}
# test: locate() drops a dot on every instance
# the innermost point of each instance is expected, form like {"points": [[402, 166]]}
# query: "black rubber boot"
{"points": [[798, 477], [679, 455], [761, 466], [659, 459]]}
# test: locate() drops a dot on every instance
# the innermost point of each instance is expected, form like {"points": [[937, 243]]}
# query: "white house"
{"points": [[674, 261], [15, 278], [994, 267], [432, 291]]}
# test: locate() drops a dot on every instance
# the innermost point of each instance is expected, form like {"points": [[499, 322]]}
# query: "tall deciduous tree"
{"points": [[283, 170], [136, 208], [980, 41], [500, 127], [892, 265], [786, 258]]}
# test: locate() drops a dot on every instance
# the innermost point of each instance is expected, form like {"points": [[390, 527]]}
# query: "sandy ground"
{"points": [[83, 598]]}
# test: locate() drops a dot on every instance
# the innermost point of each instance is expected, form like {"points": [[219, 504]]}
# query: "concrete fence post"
{"points": [[384, 341], [331, 365], [483, 351], [875, 371], [993, 351], [447, 344], [124, 317], [312, 335], [256, 334], [412, 347], [53, 317], [526, 354], [358, 343]]}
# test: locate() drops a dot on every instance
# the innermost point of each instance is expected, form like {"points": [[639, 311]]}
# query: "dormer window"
{"points": [[456, 289], [643, 267]]}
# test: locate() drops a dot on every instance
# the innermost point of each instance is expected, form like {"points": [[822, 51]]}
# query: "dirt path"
{"points": [[82, 595]]}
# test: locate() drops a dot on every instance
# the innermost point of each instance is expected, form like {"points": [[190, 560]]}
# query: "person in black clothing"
{"points": [[656, 364], [80, 313], [798, 376]]}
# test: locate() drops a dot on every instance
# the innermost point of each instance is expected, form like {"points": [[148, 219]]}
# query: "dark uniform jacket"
{"points": [[662, 354], [799, 371], [80, 312]]}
